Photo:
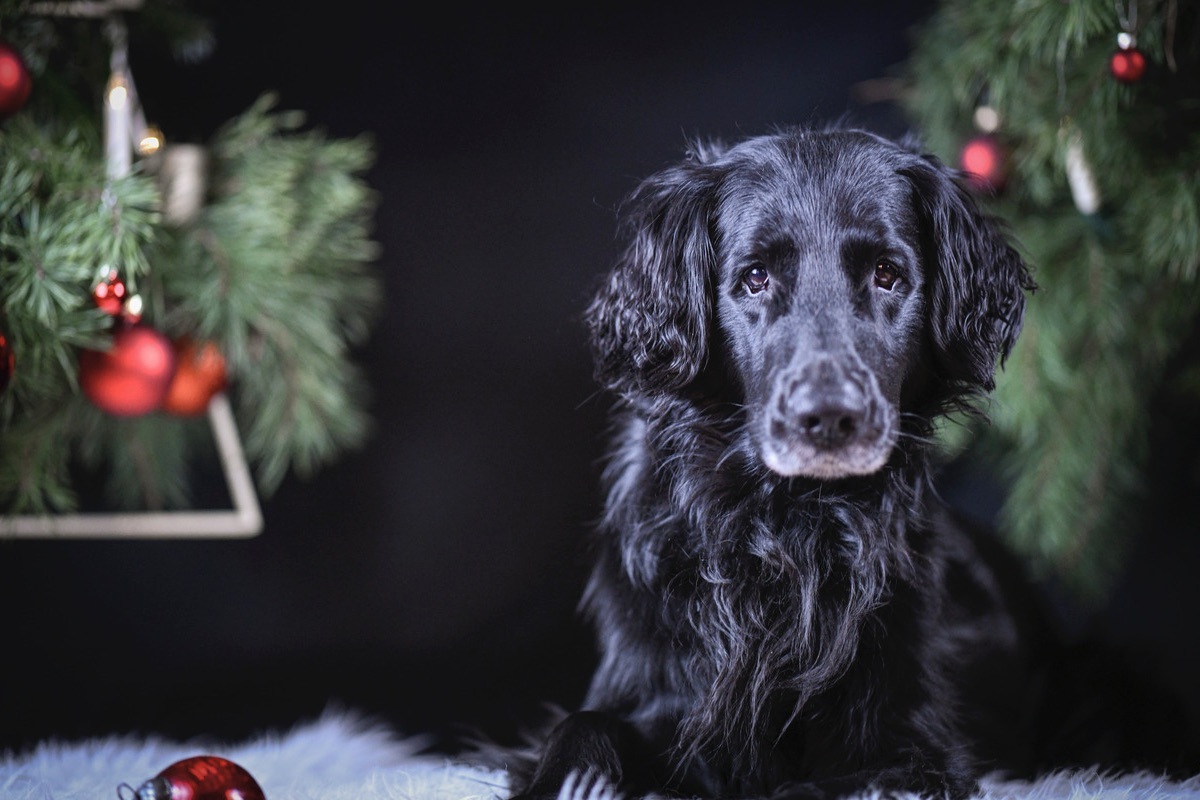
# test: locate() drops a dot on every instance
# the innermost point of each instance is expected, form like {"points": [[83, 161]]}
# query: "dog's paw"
{"points": [[588, 785], [578, 785]]}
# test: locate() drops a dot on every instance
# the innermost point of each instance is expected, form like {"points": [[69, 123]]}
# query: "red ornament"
{"points": [[199, 374], [15, 83], [109, 293], [8, 363], [199, 778], [984, 161], [131, 378], [1127, 64]]}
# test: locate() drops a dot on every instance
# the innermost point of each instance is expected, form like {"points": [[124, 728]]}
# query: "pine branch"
{"points": [[275, 269], [1118, 291]]}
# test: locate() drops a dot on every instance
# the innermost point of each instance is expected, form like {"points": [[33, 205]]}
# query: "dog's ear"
{"points": [[978, 281], [649, 322]]}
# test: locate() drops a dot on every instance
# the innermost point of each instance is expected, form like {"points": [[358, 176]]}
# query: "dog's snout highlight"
{"points": [[824, 405], [831, 425], [826, 420]]}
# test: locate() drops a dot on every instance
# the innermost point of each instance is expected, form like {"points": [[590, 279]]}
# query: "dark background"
{"points": [[429, 579]]}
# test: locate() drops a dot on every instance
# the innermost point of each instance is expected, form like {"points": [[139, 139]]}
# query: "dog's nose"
{"points": [[831, 425], [827, 408]]}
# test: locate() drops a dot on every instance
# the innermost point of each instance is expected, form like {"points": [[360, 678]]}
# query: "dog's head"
{"points": [[834, 279]]}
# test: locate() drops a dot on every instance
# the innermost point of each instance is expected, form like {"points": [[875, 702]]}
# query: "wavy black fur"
{"points": [[783, 607]]}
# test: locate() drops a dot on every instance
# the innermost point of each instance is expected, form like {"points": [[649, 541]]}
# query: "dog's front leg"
{"points": [[591, 753]]}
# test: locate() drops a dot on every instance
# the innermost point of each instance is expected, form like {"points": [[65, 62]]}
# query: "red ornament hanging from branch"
{"points": [[197, 778], [985, 162], [1127, 64], [131, 378], [199, 374], [110, 293], [8, 363], [15, 82]]}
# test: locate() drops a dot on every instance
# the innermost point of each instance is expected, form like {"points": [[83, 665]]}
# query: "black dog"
{"points": [[783, 606]]}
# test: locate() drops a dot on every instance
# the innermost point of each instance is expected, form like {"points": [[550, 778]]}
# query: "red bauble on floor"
{"points": [[200, 778], [131, 378]]}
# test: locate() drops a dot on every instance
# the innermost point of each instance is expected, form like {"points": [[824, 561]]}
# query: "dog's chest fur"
{"points": [[763, 605]]}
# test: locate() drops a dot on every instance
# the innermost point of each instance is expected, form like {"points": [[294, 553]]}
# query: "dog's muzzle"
{"points": [[825, 420]]}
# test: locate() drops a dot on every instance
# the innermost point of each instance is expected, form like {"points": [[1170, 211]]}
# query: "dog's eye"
{"points": [[756, 279], [886, 275]]}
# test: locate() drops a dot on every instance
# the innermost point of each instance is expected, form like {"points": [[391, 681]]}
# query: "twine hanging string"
{"points": [[125, 128], [120, 98]]}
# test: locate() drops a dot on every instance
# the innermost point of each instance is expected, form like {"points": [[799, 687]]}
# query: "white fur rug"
{"points": [[344, 757]]}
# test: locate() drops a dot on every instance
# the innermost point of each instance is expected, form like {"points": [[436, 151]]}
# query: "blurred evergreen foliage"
{"points": [[1108, 331], [276, 268]]}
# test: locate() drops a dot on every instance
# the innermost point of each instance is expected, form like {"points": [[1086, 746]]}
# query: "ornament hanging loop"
{"points": [[1127, 17]]}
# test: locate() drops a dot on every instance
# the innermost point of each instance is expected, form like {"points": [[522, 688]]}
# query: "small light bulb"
{"points": [[987, 119], [151, 141], [118, 93], [133, 308]]}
